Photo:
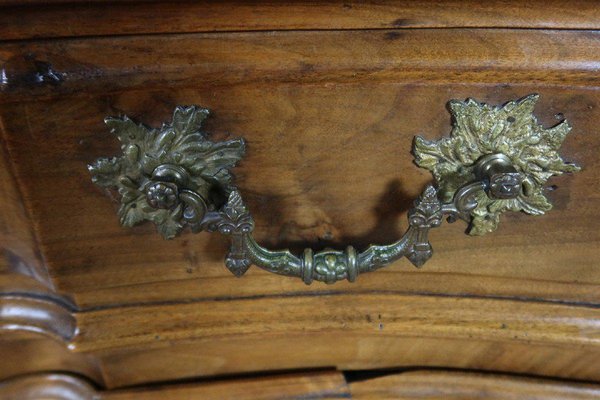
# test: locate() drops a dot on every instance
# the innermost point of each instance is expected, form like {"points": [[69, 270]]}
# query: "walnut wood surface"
{"points": [[343, 331], [328, 160], [446, 385], [212, 63], [55, 386], [47, 386], [413, 385], [28, 352], [318, 386], [329, 118], [20, 252], [86, 18], [36, 328]]}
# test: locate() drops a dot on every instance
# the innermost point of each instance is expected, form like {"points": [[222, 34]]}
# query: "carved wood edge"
{"points": [[36, 322], [59, 386], [70, 19], [26, 305], [37, 327], [415, 384], [455, 384], [53, 386]]}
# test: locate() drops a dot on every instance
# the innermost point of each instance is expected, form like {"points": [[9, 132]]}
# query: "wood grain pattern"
{"points": [[324, 129], [60, 386], [344, 331], [329, 117], [79, 18], [82, 67], [17, 240], [413, 385], [26, 352], [299, 194], [318, 386], [447, 385]]}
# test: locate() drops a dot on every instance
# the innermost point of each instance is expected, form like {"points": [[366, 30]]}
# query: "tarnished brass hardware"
{"points": [[506, 139], [171, 176], [500, 176], [496, 159]]}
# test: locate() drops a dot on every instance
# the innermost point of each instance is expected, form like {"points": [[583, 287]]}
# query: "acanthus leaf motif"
{"points": [[480, 129], [179, 148]]}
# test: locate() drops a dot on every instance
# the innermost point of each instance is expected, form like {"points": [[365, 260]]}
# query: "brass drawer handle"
{"points": [[496, 159]]}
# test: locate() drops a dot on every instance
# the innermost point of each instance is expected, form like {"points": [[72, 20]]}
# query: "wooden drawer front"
{"points": [[329, 118]]}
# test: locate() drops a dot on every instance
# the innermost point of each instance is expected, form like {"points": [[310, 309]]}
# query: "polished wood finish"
{"points": [[344, 331], [329, 99], [213, 63], [90, 18], [20, 252], [48, 387], [26, 352], [299, 195], [325, 128], [412, 385], [319, 386], [37, 314], [445, 385], [36, 328]]}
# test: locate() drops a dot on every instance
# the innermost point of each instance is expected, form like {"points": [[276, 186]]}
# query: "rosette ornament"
{"points": [[172, 176], [484, 134]]}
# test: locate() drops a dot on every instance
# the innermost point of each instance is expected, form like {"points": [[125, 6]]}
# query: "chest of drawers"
{"points": [[328, 97]]}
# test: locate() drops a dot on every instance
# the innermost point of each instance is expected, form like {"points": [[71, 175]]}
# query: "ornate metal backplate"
{"points": [[168, 175], [496, 159], [480, 130]]}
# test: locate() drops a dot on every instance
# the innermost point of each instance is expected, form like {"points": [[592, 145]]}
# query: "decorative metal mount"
{"points": [[171, 176], [506, 144], [496, 159]]}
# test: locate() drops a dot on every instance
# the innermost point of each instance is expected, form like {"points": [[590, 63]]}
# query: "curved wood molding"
{"points": [[28, 306], [36, 329], [20, 312], [24, 353], [448, 385], [347, 331], [48, 387], [420, 55], [320, 385], [413, 385], [85, 18]]}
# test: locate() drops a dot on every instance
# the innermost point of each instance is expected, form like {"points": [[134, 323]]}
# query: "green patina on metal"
{"points": [[496, 159], [165, 175]]}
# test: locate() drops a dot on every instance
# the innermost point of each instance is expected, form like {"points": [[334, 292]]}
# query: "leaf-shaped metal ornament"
{"points": [[496, 159], [167, 175], [512, 131]]}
